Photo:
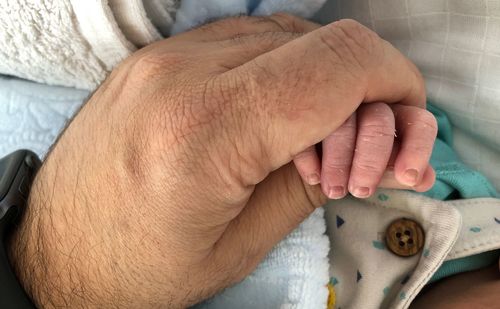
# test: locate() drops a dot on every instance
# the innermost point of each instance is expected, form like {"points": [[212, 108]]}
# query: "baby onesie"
{"points": [[459, 222]]}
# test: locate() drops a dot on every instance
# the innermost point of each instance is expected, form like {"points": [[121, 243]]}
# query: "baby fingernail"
{"points": [[411, 176], [336, 192], [313, 179], [361, 192]]}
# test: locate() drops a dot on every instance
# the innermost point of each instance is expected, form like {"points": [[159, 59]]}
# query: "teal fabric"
{"points": [[466, 264], [454, 180]]}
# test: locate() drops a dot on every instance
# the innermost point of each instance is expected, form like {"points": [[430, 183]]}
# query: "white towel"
{"points": [[74, 43], [41, 41], [133, 21]]}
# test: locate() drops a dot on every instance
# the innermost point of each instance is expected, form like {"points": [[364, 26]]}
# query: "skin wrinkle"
{"points": [[337, 43], [343, 163], [189, 134], [360, 41]]}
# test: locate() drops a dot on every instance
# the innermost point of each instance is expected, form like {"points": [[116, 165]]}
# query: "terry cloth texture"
{"points": [[41, 41], [75, 43], [133, 21]]}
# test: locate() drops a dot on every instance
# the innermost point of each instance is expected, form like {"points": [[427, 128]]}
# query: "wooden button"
{"points": [[404, 237]]}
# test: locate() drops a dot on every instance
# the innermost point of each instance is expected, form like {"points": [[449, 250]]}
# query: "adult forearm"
{"points": [[48, 274]]}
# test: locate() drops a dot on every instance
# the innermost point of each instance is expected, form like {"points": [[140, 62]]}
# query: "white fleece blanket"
{"points": [[76, 43]]}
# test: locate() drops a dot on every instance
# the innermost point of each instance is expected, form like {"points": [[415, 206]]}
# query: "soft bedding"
{"points": [[455, 43]]}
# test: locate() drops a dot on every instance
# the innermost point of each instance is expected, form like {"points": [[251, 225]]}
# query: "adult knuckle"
{"points": [[152, 65], [235, 22], [351, 41], [215, 26], [278, 22], [263, 40], [227, 175], [242, 168], [363, 36], [285, 21]]}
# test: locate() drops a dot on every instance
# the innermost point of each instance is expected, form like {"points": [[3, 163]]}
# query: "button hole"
{"points": [[401, 244], [398, 235], [407, 233]]}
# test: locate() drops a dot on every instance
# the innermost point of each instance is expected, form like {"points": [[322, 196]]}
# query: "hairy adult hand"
{"points": [[174, 180]]}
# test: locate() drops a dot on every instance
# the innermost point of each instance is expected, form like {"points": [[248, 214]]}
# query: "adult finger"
{"points": [[338, 150], [231, 53], [373, 148], [416, 132], [305, 89], [247, 25], [278, 205]]}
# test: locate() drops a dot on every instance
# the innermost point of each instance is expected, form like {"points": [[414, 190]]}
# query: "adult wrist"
{"points": [[25, 250], [58, 251], [38, 247]]}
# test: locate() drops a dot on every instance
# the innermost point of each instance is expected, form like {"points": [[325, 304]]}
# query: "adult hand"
{"points": [[175, 180]]}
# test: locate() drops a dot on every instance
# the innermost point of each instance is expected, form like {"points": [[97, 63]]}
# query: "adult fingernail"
{"points": [[411, 176], [361, 192], [336, 192], [313, 179]]}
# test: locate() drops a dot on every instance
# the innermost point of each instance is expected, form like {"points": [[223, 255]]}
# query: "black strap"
{"points": [[12, 294]]}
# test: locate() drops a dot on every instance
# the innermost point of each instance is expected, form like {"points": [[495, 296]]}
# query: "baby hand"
{"points": [[379, 146]]}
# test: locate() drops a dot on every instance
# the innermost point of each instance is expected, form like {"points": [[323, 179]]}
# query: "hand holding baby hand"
{"points": [[175, 179], [378, 146]]}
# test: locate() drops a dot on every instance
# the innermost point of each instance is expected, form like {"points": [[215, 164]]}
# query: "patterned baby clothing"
{"points": [[454, 227]]}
